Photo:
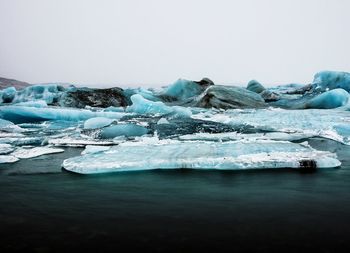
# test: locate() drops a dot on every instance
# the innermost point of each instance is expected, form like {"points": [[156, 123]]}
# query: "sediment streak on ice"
{"points": [[239, 155]]}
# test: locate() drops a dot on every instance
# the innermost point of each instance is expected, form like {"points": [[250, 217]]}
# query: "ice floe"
{"points": [[25, 153], [97, 122], [201, 155], [8, 159], [6, 149]]}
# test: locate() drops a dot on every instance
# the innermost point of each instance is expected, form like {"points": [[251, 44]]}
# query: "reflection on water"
{"points": [[180, 210]]}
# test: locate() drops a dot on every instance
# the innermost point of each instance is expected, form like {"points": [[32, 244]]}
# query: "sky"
{"points": [[155, 42]]}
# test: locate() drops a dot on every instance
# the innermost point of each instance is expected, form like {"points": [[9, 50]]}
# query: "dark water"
{"points": [[178, 211]]}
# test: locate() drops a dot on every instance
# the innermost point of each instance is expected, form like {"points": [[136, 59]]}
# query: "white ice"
{"points": [[25, 153], [77, 142], [6, 149], [91, 149], [97, 122], [332, 124], [8, 159], [237, 155]]}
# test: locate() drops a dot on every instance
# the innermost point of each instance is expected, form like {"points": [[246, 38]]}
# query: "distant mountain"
{"points": [[4, 83]]}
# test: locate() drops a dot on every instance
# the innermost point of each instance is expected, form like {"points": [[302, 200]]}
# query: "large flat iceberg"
{"points": [[201, 155]]}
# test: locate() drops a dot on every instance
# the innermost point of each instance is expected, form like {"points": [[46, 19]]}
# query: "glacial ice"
{"points": [[8, 94], [313, 122], [183, 89], [97, 122], [216, 126], [140, 105], [8, 126], [200, 155], [21, 141], [35, 103], [162, 121], [50, 93], [6, 149], [8, 159], [114, 109], [229, 97], [146, 93], [77, 142], [329, 99], [23, 114], [25, 153], [255, 86], [91, 149], [128, 130], [235, 136], [329, 80]]}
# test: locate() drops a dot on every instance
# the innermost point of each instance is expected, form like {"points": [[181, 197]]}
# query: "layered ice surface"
{"points": [[200, 155], [331, 124]]}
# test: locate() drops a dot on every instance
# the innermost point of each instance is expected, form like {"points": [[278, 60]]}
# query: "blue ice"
{"points": [[97, 122], [140, 105], [183, 89], [127, 130], [329, 80], [329, 99], [23, 114]]}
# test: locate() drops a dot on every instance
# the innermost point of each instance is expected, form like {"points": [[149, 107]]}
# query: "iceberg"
{"points": [[24, 114], [91, 149], [128, 130], [8, 159], [255, 86], [35, 103], [21, 141], [235, 136], [201, 155], [162, 121], [8, 94], [329, 80], [114, 109], [50, 93], [6, 149], [77, 142], [97, 122], [184, 89], [313, 122], [329, 99], [25, 153], [229, 97], [146, 93], [8, 126], [140, 105]]}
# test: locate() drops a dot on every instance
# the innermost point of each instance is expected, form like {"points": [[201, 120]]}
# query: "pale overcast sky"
{"points": [[158, 41]]}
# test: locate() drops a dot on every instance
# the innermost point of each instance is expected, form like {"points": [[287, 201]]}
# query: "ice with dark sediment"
{"points": [[134, 156]]}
